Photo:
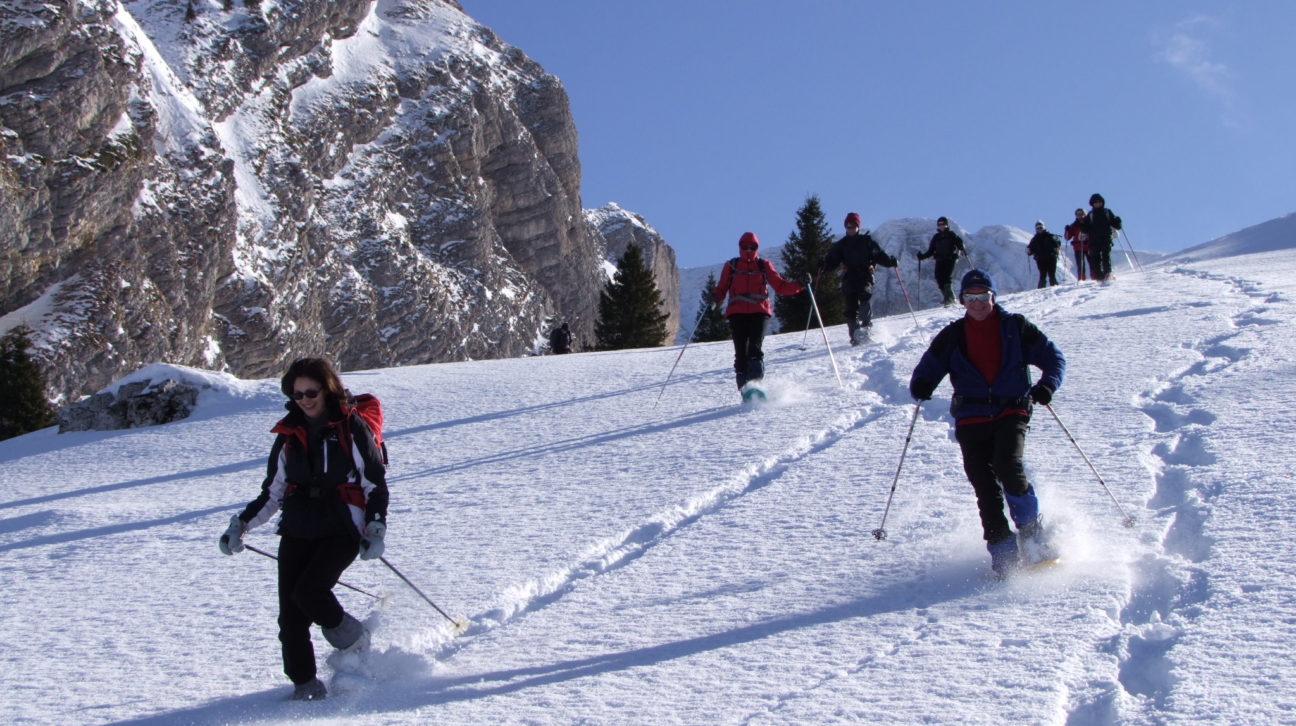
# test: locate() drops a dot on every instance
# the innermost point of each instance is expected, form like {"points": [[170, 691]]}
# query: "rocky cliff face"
{"points": [[231, 185]]}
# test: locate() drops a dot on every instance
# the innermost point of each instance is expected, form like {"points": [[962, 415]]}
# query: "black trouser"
{"points": [[1100, 260], [992, 458], [859, 311], [1080, 263], [748, 335], [308, 570], [1047, 269], [944, 276]]}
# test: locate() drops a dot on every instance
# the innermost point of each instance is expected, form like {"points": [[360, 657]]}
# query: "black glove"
{"points": [[921, 389], [1041, 394], [921, 257], [894, 262]]}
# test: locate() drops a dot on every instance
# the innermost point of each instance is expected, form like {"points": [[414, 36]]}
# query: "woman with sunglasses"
{"points": [[985, 354], [327, 476]]}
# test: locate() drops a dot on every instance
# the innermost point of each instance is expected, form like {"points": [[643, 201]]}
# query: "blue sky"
{"points": [[711, 118]]}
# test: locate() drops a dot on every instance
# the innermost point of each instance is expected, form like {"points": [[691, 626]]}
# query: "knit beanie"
{"points": [[1095, 198], [977, 278], [852, 220], [748, 238]]}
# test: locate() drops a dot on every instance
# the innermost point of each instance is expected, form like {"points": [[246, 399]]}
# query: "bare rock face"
{"points": [[619, 228], [234, 185]]}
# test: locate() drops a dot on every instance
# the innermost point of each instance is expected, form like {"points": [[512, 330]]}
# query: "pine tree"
{"points": [[712, 325], [804, 254], [23, 406], [630, 306]]}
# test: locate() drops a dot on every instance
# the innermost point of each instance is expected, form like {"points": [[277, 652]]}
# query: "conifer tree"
{"points": [[630, 314], [23, 406], [804, 254], [712, 325]]}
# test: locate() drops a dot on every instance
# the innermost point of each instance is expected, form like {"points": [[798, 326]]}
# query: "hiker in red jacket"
{"points": [[746, 280], [1075, 234], [326, 473]]}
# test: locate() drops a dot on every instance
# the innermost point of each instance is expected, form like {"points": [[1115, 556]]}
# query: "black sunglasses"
{"points": [[309, 393], [748, 247]]}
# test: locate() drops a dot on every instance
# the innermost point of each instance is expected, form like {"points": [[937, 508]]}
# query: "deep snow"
{"points": [[629, 559]]}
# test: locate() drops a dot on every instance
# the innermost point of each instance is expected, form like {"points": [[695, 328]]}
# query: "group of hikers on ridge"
{"points": [[986, 354]]}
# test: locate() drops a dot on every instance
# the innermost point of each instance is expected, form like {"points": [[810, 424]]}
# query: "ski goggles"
{"points": [[986, 296]]}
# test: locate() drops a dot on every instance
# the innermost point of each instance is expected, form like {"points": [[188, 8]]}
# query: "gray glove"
{"points": [[232, 541], [371, 545]]}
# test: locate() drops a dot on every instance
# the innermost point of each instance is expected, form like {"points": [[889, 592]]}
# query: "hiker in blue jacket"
{"points": [[327, 474], [985, 354]]}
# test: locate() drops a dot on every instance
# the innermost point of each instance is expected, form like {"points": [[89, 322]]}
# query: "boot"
{"points": [[312, 690], [1004, 557], [1035, 544], [755, 369], [347, 635]]}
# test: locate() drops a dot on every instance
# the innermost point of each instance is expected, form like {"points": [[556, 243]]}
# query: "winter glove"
{"points": [[232, 541], [922, 256], [921, 389], [371, 545], [1041, 394]]}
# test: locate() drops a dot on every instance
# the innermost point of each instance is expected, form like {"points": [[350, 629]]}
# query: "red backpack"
{"points": [[369, 408]]}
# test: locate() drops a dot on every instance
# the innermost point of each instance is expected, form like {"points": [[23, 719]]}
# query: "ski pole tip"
{"points": [[1129, 523], [879, 534], [460, 625]]}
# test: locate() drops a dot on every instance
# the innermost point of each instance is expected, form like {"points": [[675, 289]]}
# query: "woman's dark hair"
{"points": [[320, 370]]}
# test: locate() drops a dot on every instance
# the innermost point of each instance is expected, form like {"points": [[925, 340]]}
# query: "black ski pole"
{"points": [[343, 584], [460, 623], [1128, 520], [692, 332], [1134, 262], [880, 533]]}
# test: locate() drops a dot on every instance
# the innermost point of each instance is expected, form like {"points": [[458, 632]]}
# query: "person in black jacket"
{"points": [[946, 247], [1101, 225], [1045, 248], [326, 473], [857, 252]]}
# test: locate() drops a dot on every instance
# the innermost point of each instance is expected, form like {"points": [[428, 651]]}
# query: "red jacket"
{"points": [[746, 282], [1075, 234]]}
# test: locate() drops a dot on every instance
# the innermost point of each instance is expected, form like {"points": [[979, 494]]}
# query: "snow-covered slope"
{"points": [[629, 553]]}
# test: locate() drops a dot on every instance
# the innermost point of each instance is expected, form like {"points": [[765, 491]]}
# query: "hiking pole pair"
{"points": [[1134, 263], [1128, 521], [343, 584], [696, 323], [460, 623], [815, 307], [880, 533]]}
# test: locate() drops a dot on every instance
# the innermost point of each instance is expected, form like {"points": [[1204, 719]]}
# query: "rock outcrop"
{"points": [[233, 185]]}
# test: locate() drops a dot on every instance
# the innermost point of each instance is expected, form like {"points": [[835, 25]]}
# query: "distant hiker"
{"points": [[327, 475], [1045, 248], [746, 280], [946, 247], [560, 339], [857, 252], [1101, 225], [985, 353], [1075, 234]]}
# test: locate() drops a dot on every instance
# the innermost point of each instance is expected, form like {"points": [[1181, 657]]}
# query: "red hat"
{"points": [[852, 220], [748, 238]]}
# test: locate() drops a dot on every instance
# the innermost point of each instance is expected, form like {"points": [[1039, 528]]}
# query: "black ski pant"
{"points": [[748, 336], [1100, 260], [944, 278], [308, 570], [1047, 269], [1080, 263], [992, 459], [859, 308]]}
